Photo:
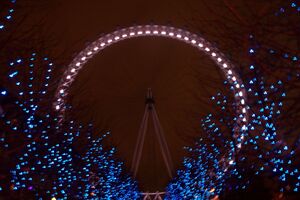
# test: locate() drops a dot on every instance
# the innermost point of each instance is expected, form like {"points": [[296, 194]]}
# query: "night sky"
{"points": [[110, 90]]}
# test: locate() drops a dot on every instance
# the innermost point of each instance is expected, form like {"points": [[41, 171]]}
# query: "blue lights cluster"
{"points": [[48, 164], [28, 93], [202, 175], [52, 169], [293, 5], [6, 15], [270, 148], [265, 151], [205, 174], [104, 176]]}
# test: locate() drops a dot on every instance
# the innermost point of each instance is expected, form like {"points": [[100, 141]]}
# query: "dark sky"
{"points": [[110, 90]]}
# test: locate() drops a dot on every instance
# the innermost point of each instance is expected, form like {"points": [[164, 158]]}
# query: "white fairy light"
{"points": [[186, 38], [200, 45], [78, 64], [140, 32], [225, 65], [102, 44], [163, 32], [219, 59], [243, 128], [193, 41], [214, 55], [207, 49], [178, 36]]}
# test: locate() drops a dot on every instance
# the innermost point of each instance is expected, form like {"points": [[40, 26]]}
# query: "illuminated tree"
{"points": [[202, 175], [47, 162], [104, 176]]}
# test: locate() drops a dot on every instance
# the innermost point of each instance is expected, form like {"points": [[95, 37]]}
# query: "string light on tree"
{"points": [[6, 15]]}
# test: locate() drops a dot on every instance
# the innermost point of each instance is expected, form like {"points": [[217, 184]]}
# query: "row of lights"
{"points": [[163, 31], [121, 35]]}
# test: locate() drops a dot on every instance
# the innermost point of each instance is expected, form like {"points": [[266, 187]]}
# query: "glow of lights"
{"points": [[149, 30], [153, 30], [48, 167]]}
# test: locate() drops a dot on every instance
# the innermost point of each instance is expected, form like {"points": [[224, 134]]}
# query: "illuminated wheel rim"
{"points": [[189, 38]]}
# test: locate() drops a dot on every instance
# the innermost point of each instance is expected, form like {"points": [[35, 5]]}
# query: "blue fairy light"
{"points": [[3, 92]]}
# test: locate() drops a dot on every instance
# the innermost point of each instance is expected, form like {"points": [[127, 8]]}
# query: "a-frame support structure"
{"points": [[151, 112]]}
